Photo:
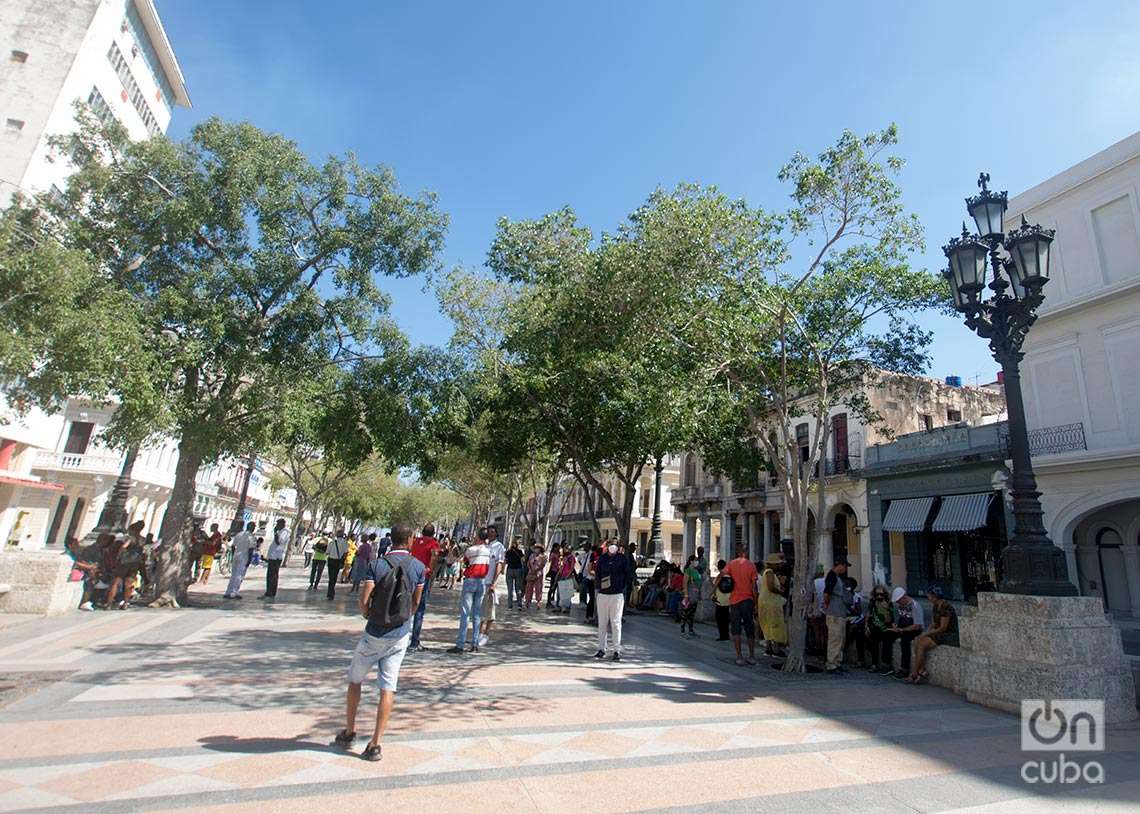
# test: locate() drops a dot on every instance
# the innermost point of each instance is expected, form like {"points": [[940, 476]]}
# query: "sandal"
{"points": [[371, 753], [344, 738], [740, 662]]}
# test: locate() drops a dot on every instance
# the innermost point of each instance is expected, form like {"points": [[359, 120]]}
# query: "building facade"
{"points": [[112, 55], [573, 524], [754, 514], [1081, 373], [938, 509], [60, 474]]}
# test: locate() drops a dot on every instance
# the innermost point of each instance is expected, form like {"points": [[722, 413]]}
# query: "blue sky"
{"points": [[518, 108]]}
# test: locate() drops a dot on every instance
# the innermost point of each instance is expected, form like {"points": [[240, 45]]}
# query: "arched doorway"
{"points": [[1110, 556]]}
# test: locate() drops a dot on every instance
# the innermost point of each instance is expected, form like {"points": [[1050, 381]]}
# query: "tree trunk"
{"points": [[173, 568]]}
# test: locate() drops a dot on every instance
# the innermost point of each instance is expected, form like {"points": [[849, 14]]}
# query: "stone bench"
{"points": [[37, 582]]}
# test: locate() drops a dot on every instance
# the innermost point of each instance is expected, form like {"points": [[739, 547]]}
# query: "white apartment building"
{"points": [[110, 54], [56, 473], [1082, 369]]}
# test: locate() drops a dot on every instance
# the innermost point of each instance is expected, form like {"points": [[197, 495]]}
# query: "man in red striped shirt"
{"points": [[476, 566]]}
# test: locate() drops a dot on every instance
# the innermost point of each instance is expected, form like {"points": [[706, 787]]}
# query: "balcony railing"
{"points": [[1052, 440], [72, 462], [848, 464]]}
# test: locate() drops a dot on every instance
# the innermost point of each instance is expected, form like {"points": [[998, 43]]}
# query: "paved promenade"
{"points": [[231, 707]]}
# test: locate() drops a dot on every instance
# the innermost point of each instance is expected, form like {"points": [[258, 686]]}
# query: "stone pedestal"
{"points": [[1016, 647], [36, 582]]}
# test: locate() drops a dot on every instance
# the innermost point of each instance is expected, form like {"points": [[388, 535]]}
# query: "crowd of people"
{"points": [[393, 576]]}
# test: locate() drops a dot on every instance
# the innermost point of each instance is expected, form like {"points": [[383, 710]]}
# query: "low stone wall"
{"points": [[37, 583], [1021, 647]]}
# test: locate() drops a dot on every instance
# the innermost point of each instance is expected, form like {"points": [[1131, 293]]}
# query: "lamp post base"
{"points": [[1035, 569]]}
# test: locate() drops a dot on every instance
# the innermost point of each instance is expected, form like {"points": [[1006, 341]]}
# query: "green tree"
{"points": [[791, 334], [260, 265], [63, 329], [583, 361]]}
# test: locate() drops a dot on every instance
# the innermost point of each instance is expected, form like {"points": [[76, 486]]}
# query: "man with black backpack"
{"points": [[388, 600]]}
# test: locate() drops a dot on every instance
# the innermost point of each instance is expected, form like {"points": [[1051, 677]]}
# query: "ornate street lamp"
{"points": [[1019, 263]]}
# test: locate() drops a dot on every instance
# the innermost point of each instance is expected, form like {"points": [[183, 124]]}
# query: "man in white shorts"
{"points": [[381, 647], [494, 571]]}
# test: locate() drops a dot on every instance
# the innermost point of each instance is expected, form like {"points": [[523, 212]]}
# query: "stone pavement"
{"points": [[231, 706]]}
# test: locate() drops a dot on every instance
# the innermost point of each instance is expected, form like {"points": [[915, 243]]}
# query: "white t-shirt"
{"points": [[338, 548], [243, 542], [819, 585], [277, 547], [498, 552]]}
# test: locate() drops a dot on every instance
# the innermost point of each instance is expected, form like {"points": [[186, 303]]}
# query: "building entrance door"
{"points": [[1117, 595]]}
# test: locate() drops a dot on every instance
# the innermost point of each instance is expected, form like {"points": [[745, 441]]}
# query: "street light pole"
{"points": [[238, 522], [113, 517], [657, 549], [1031, 564]]}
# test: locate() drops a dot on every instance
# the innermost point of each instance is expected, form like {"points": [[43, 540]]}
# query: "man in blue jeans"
{"points": [[476, 566], [426, 550], [383, 647]]}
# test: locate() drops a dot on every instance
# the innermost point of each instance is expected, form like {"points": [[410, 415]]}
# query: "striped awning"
{"points": [[963, 512], [908, 515]]}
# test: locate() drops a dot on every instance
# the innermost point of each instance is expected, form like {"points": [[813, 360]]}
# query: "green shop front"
{"points": [[937, 512]]}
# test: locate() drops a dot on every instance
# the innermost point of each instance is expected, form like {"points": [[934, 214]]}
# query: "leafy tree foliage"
{"points": [[260, 268]]}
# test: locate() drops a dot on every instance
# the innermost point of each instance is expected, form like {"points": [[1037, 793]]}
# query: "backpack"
{"points": [[391, 603], [725, 584]]}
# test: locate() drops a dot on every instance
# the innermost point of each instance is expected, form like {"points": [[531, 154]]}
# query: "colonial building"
{"points": [[58, 472], [1082, 369], [754, 513], [110, 54], [572, 519]]}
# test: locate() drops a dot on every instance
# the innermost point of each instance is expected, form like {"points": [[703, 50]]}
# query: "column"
{"points": [[1132, 573], [706, 540], [767, 533], [826, 551], [727, 532], [688, 537]]}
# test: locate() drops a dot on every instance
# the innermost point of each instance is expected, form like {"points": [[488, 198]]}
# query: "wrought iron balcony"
{"points": [[1050, 440]]}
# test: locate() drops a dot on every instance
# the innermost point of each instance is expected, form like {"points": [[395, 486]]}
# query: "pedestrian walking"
{"points": [[307, 549], [337, 551], [567, 569], [721, 603], [611, 576], [210, 550], [587, 588], [243, 544], [426, 550], [273, 557], [553, 564], [770, 606], [490, 592], [392, 590], [320, 557], [516, 575], [836, 606], [476, 565], [738, 579], [364, 557], [535, 564], [692, 595]]}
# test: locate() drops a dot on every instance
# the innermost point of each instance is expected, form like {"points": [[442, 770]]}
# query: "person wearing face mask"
{"points": [[611, 576]]}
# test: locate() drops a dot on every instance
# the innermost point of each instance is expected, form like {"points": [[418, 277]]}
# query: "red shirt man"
{"points": [[742, 604], [426, 549]]}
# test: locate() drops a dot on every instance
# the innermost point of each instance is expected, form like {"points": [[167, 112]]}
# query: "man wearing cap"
{"points": [[836, 605], [943, 630], [908, 623]]}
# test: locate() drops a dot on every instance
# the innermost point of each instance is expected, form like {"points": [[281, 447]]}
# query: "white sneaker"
{"points": [[87, 606], [483, 640]]}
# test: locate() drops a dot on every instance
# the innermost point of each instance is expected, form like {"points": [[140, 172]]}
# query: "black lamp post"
{"points": [[1020, 265]]}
